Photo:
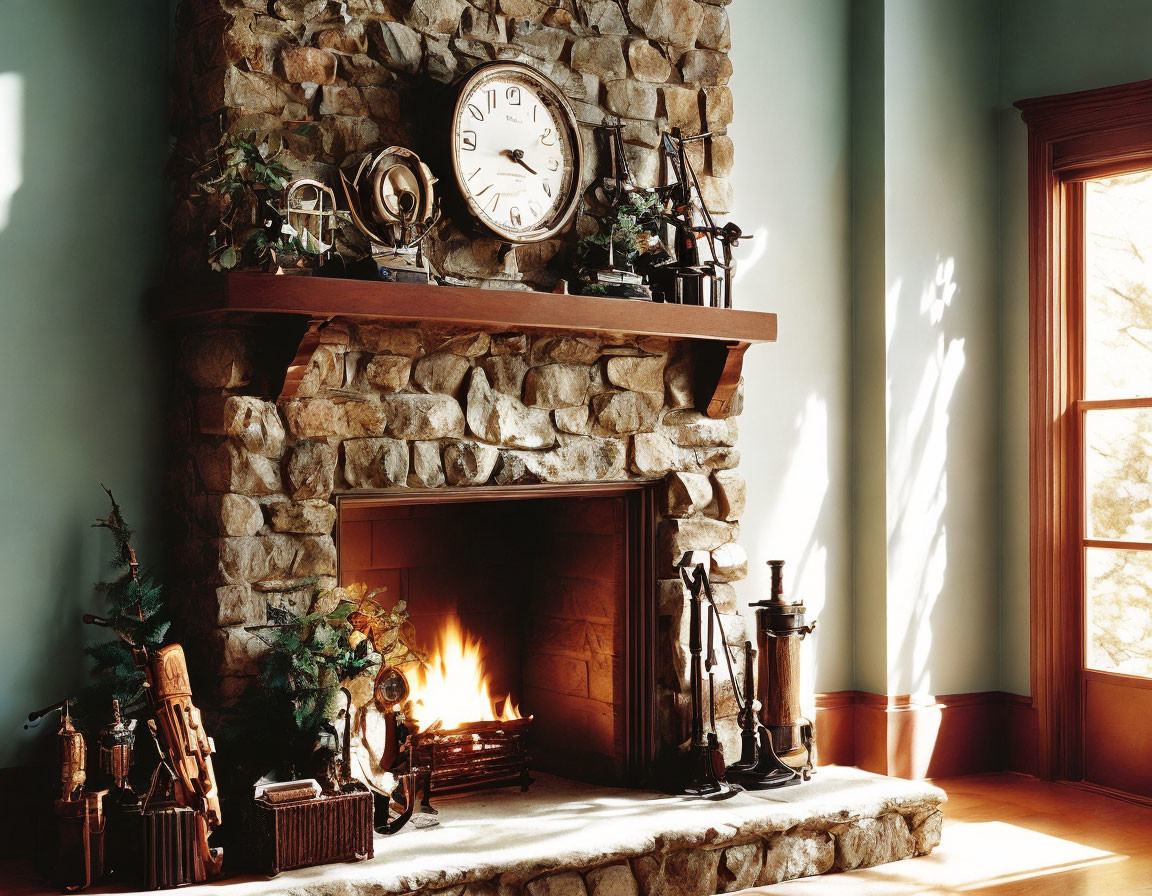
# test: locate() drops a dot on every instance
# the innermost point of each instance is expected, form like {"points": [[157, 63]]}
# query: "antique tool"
{"points": [[185, 748], [781, 627], [392, 201], [309, 212], [702, 779], [79, 812], [72, 751], [690, 279], [117, 744], [729, 237]]}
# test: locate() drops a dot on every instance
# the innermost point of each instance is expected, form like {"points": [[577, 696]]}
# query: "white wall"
{"points": [[791, 132], [941, 345]]}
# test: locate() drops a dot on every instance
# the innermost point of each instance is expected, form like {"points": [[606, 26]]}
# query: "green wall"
{"points": [[1047, 47], [83, 96], [925, 346]]}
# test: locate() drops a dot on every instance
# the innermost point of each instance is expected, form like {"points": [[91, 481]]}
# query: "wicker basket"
{"points": [[330, 828]]}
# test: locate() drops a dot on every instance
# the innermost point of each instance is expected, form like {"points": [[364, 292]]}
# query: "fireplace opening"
{"points": [[552, 587]]}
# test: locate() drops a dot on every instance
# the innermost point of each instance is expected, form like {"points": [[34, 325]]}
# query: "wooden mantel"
{"points": [[721, 335], [488, 308]]}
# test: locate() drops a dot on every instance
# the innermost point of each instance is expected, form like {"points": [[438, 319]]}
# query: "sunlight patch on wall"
{"points": [[917, 477], [11, 141]]}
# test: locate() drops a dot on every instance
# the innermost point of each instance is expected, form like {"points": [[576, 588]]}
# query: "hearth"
{"points": [[550, 591]]}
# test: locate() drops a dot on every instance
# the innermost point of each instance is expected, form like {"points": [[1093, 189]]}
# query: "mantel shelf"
{"points": [[720, 336], [323, 297]]}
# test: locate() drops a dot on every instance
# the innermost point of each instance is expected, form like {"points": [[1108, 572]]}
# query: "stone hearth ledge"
{"points": [[568, 839]]}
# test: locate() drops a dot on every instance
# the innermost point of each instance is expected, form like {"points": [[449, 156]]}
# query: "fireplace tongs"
{"points": [[704, 775]]}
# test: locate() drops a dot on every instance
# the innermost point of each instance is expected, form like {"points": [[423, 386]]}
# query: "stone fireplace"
{"points": [[540, 486]]}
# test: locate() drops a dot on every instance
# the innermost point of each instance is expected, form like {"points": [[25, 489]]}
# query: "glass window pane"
{"points": [[1118, 474], [1118, 611], [1118, 286]]}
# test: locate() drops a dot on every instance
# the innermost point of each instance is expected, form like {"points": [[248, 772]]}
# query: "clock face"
{"points": [[516, 152]]}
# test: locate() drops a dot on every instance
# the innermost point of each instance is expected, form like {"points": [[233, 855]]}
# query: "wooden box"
{"points": [[329, 828], [169, 848]]}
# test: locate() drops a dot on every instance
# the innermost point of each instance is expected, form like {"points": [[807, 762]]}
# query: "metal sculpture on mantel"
{"points": [[692, 279]]}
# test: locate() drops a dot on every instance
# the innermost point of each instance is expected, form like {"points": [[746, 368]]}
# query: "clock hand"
{"points": [[517, 156]]}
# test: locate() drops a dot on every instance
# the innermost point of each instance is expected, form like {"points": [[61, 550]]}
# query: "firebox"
{"points": [[553, 586]]}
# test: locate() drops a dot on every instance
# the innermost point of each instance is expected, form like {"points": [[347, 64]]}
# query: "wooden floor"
{"points": [[1009, 834]]}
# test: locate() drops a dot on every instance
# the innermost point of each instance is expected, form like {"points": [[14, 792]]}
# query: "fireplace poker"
{"points": [[702, 778]]}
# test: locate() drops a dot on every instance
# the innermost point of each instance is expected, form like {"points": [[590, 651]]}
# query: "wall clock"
{"points": [[516, 152]]}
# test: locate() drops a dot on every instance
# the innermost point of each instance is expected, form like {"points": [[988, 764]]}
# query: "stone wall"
{"points": [[385, 406], [322, 79]]}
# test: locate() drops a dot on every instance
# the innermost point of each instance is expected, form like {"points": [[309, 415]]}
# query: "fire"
{"points": [[453, 689]]}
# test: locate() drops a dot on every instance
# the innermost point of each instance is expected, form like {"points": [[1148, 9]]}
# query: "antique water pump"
{"points": [[780, 627]]}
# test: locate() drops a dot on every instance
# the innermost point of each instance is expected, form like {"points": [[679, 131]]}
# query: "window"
{"points": [[1090, 345]]}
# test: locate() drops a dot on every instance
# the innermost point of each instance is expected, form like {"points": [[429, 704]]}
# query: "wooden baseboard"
{"points": [[957, 734]]}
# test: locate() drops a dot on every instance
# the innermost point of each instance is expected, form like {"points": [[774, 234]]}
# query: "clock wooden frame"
{"points": [[553, 96]]}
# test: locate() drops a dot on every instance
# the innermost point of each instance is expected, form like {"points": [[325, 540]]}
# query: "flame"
{"points": [[453, 688]]}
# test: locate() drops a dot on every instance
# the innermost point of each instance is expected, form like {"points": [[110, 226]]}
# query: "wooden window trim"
{"points": [[1071, 138]]}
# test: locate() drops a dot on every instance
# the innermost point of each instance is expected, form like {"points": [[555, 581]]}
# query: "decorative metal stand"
{"points": [[475, 756], [759, 768]]}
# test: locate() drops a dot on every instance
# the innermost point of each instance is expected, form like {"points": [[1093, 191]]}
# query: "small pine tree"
{"points": [[137, 615]]}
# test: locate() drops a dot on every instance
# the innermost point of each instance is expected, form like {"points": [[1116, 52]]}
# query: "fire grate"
{"points": [[474, 756]]}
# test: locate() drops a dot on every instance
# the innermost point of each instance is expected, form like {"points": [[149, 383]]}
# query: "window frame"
{"points": [[1071, 138]]}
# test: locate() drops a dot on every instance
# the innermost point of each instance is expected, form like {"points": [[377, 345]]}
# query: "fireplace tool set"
{"points": [[775, 752]]}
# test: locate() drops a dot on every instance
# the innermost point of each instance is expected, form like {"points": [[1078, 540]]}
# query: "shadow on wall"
{"points": [[83, 94]]}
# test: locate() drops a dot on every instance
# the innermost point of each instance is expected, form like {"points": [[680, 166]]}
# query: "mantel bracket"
{"points": [[718, 369], [309, 342]]}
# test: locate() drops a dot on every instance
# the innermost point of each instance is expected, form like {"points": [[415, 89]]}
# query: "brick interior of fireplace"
{"points": [[543, 583]]}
